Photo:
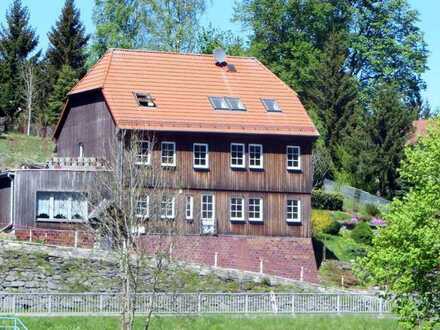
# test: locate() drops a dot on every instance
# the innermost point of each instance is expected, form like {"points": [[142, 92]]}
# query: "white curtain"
{"points": [[43, 204], [61, 206]]}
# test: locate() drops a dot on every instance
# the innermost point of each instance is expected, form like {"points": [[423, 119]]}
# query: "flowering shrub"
{"points": [[377, 222], [352, 222]]}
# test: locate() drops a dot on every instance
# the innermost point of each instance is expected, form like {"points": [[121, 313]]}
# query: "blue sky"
{"points": [[219, 14]]}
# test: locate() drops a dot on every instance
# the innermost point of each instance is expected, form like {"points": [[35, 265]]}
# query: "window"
{"points": [[200, 155], [293, 158], [61, 206], [237, 155], [293, 213], [236, 209], [143, 207], [235, 103], [218, 103], [145, 100], [255, 156], [271, 105], [226, 103], [168, 156], [255, 209], [189, 208], [208, 207], [143, 157], [167, 207]]}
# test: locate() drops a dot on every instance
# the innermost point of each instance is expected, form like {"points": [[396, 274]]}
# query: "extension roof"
{"points": [[181, 84]]}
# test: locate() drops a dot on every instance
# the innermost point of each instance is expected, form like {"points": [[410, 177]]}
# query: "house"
{"points": [[420, 128], [236, 135]]}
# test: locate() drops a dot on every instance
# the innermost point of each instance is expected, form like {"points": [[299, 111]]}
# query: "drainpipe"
{"points": [[11, 215]]}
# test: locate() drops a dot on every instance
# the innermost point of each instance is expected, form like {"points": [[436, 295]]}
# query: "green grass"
{"points": [[217, 323], [18, 149], [343, 247]]}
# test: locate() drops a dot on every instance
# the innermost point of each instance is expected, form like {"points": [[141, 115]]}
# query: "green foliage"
{"points": [[343, 246], [405, 254], [327, 201], [362, 233], [321, 220], [66, 80], [17, 41], [211, 38], [372, 210]]}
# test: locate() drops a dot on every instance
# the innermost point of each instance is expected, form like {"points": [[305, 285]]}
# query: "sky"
{"points": [[45, 12]]}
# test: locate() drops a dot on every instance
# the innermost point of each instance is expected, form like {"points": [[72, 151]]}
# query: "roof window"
{"points": [[145, 100], [271, 105], [226, 103]]}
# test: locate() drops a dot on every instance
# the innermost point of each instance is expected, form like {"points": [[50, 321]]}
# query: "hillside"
{"points": [[19, 149]]}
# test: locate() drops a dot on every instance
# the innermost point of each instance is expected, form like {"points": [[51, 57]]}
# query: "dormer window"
{"points": [[145, 100], [226, 103], [271, 105]]}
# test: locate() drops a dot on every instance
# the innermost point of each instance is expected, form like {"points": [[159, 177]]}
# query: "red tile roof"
{"points": [[181, 84], [420, 129]]}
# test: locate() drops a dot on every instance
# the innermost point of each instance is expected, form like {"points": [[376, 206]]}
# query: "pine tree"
{"points": [[68, 40], [17, 41], [66, 79]]}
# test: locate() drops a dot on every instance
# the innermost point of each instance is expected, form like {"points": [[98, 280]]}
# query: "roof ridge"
{"points": [[107, 69], [144, 50]]}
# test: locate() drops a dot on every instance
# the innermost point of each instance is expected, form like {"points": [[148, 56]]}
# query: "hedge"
{"points": [[327, 201]]}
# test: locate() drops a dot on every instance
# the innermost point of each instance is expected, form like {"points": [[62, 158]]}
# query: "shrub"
{"points": [[327, 201], [323, 223], [362, 233], [372, 210]]}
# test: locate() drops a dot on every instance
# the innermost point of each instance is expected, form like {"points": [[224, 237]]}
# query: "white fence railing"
{"points": [[192, 303]]}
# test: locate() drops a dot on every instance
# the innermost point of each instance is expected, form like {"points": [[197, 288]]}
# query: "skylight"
{"points": [[145, 100], [271, 105], [226, 103]]}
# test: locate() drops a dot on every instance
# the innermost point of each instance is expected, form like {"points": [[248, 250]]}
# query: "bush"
{"points": [[323, 223], [372, 210], [327, 201], [362, 233]]}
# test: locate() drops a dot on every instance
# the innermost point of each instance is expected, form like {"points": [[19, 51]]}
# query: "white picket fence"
{"points": [[192, 303]]}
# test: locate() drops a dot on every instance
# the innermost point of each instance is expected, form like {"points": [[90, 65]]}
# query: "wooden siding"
{"points": [[89, 122], [274, 177], [5, 201], [29, 182]]}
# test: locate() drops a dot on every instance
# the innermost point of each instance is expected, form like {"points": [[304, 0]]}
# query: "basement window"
{"points": [[61, 206], [271, 105], [145, 100]]}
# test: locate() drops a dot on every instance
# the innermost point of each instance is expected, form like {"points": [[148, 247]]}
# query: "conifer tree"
{"points": [[68, 40], [17, 41]]}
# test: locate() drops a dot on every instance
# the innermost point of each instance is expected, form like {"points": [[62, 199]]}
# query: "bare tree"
{"points": [[133, 197], [28, 76]]}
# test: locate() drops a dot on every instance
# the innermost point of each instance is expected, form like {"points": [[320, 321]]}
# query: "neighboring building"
{"points": [[236, 135], [420, 129]]}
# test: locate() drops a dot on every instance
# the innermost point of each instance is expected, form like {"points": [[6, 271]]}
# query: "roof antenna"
{"points": [[220, 57]]}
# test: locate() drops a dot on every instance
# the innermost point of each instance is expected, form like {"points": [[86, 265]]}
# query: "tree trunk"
{"points": [[127, 305]]}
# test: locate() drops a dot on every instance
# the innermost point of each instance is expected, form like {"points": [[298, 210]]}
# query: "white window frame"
{"points": [[147, 215], [205, 145], [173, 208], [260, 146], [243, 146], [189, 206], [142, 156], [261, 202], [235, 218], [69, 202], [290, 151], [288, 218], [213, 207], [162, 144]]}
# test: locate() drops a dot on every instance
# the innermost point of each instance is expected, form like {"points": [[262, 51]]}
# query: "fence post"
{"points": [[14, 310], [261, 265], [216, 259], [199, 303], [338, 304], [101, 302], [76, 239], [246, 303], [49, 305], [380, 307], [301, 276], [293, 304], [30, 235]]}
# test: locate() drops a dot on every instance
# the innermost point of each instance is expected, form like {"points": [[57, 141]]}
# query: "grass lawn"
{"points": [[217, 323], [344, 248], [17, 149]]}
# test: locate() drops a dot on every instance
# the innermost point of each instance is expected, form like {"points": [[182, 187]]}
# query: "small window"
{"points": [[168, 154], [271, 105], [293, 212], [255, 156], [238, 158], [293, 154], [189, 208], [235, 103], [143, 157], [218, 103], [236, 209], [167, 207], [145, 100], [255, 209], [200, 155], [208, 207], [143, 208]]}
